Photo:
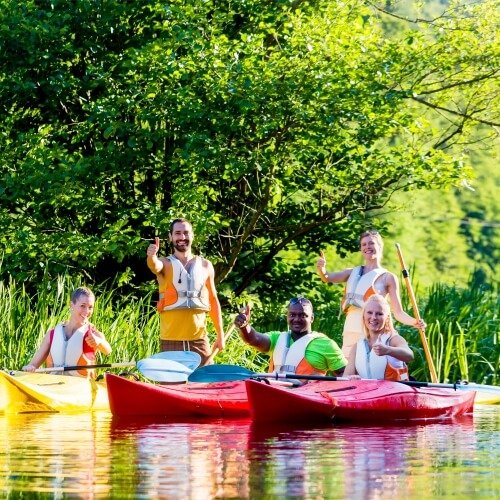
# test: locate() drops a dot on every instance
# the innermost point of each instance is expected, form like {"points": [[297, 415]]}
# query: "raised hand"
{"points": [[243, 317], [380, 349], [153, 247], [321, 263], [92, 340]]}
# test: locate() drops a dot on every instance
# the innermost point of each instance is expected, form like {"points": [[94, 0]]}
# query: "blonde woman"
{"points": [[382, 354], [361, 283]]}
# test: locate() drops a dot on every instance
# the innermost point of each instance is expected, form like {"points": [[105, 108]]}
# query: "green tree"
{"points": [[273, 126]]}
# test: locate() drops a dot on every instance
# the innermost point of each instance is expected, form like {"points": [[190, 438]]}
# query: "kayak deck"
{"points": [[24, 392], [356, 400], [485, 398], [192, 400]]}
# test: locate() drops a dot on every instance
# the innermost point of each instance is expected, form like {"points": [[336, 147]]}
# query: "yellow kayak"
{"points": [[485, 394], [24, 392], [487, 397]]}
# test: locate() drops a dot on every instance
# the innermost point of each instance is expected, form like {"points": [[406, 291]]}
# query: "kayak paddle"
{"points": [[423, 338], [157, 370], [168, 366], [164, 370], [190, 359], [215, 350], [82, 367], [223, 373]]}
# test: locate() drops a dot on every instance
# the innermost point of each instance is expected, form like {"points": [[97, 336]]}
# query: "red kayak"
{"points": [[221, 399], [354, 400]]}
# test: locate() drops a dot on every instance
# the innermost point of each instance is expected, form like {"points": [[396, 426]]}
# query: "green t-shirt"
{"points": [[321, 353]]}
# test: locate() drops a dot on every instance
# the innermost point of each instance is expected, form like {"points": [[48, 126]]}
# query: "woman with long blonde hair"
{"points": [[382, 354]]}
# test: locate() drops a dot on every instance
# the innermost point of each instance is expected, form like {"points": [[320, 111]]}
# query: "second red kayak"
{"points": [[365, 401], [213, 400]]}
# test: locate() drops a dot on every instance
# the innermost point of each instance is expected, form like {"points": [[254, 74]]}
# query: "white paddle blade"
{"points": [[161, 376], [163, 370], [189, 359]]}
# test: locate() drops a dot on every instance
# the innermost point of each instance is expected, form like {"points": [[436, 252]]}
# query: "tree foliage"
{"points": [[272, 125]]}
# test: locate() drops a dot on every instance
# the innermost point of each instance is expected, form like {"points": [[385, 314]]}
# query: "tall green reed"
{"points": [[462, 333]]}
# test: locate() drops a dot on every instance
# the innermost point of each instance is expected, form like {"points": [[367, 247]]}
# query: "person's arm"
{"points": [[350, 369], [97, 341], [215, 309], [40, 356], [398, 348], [251, 336], [155, 264], [334, 360], [331, 277], [396, 306]]}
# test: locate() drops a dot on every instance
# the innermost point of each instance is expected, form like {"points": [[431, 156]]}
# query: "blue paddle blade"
{"points": [[187, 358], [163, 370], [220, 373]]}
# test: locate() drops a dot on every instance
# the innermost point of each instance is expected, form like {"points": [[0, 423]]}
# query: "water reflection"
{"points": [[55, 453], [189, 459], [445, 458], [95, 456]]}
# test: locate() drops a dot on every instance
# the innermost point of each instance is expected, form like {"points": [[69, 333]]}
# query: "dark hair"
{"points": [[175, 221], [82, 290], [300, 300]]}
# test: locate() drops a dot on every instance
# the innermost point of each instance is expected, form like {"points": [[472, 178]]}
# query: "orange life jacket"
{"points": [[359, 287], [184, 289], [369, 365], [71, 352], [291, 358]]}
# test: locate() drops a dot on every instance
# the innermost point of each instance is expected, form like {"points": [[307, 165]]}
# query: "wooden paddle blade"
{"points": [[220, 373], [189, 359]]}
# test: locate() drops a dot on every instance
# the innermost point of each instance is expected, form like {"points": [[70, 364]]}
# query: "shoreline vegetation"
{"points": [[463, 327]]}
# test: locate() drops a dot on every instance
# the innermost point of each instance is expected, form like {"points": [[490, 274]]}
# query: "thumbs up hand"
{"points": [[243, 317], [380, 349], [153, 247], [321, 263], [321, 266]]}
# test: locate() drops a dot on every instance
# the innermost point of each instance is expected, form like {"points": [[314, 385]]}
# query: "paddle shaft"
{"points": [[215, 350], [411, 383], [83, 367], [413, 300]]}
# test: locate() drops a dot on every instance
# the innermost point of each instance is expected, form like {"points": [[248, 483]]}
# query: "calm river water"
{"points": [[96, 456]]}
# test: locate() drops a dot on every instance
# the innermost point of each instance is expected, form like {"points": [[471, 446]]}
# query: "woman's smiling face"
{"points": [[375, 317], [82, 309]]}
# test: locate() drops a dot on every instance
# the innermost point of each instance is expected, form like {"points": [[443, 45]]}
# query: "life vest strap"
{"points": [[190, 294]]}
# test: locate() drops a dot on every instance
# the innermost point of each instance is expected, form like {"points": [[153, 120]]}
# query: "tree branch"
{"points": [[453, 112], [459, 84]]}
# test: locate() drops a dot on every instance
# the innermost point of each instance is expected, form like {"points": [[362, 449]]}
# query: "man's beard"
{"points": [[182, 247]]}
